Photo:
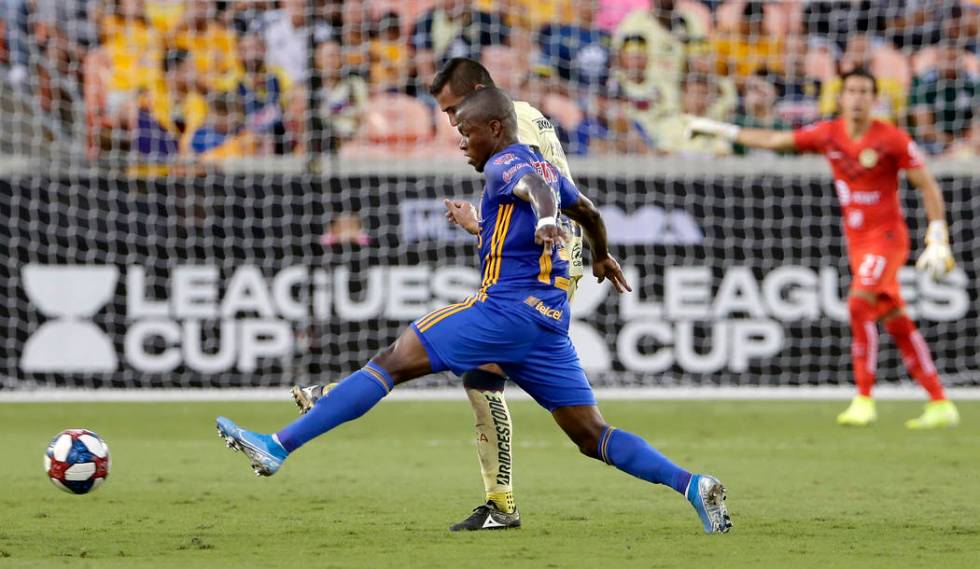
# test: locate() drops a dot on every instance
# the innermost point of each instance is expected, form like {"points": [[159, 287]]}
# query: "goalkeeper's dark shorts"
{"points": [[541, 360]]}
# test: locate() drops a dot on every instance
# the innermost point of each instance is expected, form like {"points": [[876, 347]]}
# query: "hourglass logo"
{"points": [[69, 295]]}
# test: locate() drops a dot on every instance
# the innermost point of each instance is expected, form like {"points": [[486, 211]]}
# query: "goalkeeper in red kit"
{"points": [[866, 156]]}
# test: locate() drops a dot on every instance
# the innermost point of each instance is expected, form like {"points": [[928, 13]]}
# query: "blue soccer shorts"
{"points": [[542, 361]]}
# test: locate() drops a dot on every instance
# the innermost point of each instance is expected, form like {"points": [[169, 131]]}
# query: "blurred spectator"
{"points": [[534, 14], [223, 133], [914, 24], [743, 51], [646, 96], [262, 92], [758, 109], [611, 12], [608, 128], [126, 66], [696, 98], [286, 31], [968, 147], [831, 23], [668, 32], [452, 28], [341, 99], [245, 16], [345, 229], [724, 99], [890, 105], [165, 15], [389, 56], [797, 94], [15, 22], [173, 110], [63, 31], [942, 101], [210, 44], [575, 53]]}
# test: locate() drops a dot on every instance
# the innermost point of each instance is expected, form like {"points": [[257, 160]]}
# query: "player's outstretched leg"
{"points": [[939, 412], [864, 360], [634, 456], [494, 435], [404, 360]]}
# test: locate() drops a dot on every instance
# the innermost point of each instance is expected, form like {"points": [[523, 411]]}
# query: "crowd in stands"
{"points": [[211, 79]]}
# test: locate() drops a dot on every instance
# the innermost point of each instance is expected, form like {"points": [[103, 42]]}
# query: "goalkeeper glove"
{"points": [[937, 259], [701, 125]]}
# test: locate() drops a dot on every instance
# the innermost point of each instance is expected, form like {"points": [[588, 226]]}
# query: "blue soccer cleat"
{"points": [[707, 495], [263, 451]]}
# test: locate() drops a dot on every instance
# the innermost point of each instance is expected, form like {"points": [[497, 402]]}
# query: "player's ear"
{"points": [[496, 127]]}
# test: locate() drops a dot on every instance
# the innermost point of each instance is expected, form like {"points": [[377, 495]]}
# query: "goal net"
{"points": [[249, 193]]}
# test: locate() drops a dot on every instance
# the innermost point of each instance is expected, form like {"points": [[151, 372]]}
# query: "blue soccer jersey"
{"points": [[519, 317], [514, 267]]}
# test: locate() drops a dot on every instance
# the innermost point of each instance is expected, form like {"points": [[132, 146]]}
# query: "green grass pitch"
{"points": [[382, 491]]}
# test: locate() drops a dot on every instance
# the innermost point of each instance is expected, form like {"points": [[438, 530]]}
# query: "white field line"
{"points": [[452, 394]]}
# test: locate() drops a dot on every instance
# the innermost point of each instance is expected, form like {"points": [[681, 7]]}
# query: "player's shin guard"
{"points": [[352, 397], [493, 435], [915, 354], [864, 343], [636, 457]]}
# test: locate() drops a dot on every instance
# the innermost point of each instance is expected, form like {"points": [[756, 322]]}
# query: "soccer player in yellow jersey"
{"points": [[457, 79]]}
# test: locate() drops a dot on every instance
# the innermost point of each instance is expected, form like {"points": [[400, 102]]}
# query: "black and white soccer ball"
{"points": [[77, 461]]}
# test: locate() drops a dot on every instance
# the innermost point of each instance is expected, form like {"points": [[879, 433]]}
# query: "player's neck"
{"points": [[504, 144], [856, 127]]}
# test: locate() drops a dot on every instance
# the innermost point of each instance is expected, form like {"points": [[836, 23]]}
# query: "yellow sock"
{"points": [[503, 500], [493, 445]]}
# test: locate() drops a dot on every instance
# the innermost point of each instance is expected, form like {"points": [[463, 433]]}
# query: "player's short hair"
{"points": [[462, 75], [860, 72], [485, 105]]}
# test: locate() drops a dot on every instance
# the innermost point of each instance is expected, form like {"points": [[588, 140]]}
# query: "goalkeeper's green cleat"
{"points": [[937, 414], [860, 413], [307, 396]]}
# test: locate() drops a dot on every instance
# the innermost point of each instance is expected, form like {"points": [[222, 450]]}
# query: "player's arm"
{"points": [[604, 266], [937, 259], [778, 140], [533, 189]]}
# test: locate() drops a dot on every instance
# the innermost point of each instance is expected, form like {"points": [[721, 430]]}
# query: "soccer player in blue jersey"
{"points": [[519, 315], [485, 386]]}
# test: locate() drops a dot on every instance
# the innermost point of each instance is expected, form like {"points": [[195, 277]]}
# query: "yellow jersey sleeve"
{"points": [[533, 129]]}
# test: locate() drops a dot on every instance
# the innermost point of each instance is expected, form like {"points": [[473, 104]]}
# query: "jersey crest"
{"points": [[868, 158]]}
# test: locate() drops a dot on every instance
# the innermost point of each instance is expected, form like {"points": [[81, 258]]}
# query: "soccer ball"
{"points": [[77, 461]]}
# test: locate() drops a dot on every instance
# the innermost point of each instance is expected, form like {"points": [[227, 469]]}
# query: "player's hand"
{"points": [[609, 268], [463, 214], [937, 260], [701, 126], [550, 236]]}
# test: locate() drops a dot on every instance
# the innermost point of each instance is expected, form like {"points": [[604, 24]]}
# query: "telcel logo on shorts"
{"points": [[540, 306]]}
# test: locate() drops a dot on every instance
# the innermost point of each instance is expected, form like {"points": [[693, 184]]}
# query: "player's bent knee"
{"points": [[483, 380], [405, 359], [584, 426]]}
